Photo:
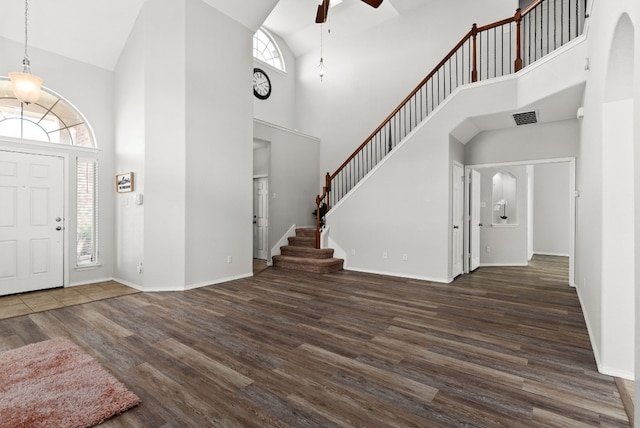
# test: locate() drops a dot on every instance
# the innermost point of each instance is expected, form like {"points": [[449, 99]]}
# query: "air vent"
{"points": [[526, 118]]}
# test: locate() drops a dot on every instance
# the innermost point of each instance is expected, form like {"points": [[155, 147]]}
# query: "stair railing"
{"points": [[486, 52]]}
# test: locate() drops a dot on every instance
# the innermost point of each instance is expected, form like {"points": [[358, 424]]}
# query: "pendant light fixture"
{"points": [[321, 65], [26, 86]]}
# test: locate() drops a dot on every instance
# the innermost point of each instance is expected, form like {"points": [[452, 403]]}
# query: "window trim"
{"points": [[276, 45], [64, 102], [94, 262]]}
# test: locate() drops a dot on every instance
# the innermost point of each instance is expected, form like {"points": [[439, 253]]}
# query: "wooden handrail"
{"points": [[397, 112], [402, 104], [531, 7]]}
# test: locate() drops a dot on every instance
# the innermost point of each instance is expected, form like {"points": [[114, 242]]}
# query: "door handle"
{"points": [[455, 227], [59, 228], [58, 219]]}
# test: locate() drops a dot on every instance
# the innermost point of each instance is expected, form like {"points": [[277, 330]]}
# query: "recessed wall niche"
{"points": [[504, 198]]}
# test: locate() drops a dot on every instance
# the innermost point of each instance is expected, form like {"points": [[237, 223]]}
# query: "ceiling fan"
{"points": [[323, 9]]}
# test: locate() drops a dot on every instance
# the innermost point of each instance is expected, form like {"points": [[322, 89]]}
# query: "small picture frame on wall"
{"points": [[124, 182]]}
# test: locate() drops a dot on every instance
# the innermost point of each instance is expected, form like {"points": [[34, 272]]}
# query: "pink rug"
{"points": [[55, 384]]}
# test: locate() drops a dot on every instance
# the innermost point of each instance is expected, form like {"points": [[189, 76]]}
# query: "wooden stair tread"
{"points": [[312, 253], [327, 265], [308, 232], [302, 255], [302, 241]]}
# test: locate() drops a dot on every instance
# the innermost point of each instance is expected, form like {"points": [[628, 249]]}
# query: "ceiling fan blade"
{"points": [[323, 11], [373, 3]]}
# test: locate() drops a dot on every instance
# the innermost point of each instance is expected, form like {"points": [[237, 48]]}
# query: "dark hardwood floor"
{"points": [[499, 347]]}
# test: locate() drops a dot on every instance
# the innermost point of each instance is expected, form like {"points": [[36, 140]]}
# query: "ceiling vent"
{"points": [[526, 118]]}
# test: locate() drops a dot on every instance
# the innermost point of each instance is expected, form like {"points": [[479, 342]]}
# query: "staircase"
{"points": [[302, 255], [485, 52]]}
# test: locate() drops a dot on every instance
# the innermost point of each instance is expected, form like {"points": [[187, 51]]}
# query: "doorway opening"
{"points": [[541, 222], [261, 168]]}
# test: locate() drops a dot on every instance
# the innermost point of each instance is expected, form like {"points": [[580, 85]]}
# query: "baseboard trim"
{"points": [[93, 281], [550, 254], [399, 275], [503, 264], [129, 284], [218, 281]]}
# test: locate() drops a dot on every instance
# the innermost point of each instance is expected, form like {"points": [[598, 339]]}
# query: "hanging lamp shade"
{"points": [[26, 86]]}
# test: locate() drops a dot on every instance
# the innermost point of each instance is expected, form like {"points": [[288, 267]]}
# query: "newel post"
{"points": [[474, 69], [518, 62], [327, 184], [318, 201]]}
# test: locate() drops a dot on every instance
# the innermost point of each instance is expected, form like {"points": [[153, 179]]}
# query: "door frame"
{"points": [[572, 205], [265, 177], [6, 145], [468, 229], [457, 165]]}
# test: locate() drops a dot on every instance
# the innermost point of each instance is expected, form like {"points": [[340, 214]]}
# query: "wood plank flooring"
{"points": [[499, 347]]}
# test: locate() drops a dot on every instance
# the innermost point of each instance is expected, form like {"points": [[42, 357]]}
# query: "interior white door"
{"points": [[474, 220], [31, 222], [457, 238], [260, 218]]}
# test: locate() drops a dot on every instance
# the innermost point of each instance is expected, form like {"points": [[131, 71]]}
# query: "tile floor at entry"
{"points": [[44, 300]]}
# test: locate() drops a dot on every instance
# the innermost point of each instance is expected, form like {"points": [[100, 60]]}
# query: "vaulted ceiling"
{"points": [[95, 31]]}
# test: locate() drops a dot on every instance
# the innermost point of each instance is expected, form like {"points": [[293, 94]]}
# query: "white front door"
{"points": [[457, 239], [474, 220], [260, 218], [31, 222]]}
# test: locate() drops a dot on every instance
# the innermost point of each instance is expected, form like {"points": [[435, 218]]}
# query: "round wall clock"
{"points": [[261, 84]]}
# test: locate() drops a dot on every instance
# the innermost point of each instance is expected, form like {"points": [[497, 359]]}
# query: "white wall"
{"points": [[91, 90], [260, 158], [219, 147], [636, 130], [608, 314], [192, 146], [369, 75], [130, 125], [524, 143], [292, 177], [551, 208]]}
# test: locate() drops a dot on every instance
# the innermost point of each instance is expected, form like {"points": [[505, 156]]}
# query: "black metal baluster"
{"points": [[561, 23], [577, 18], [502, 50], [511, 60], [555, 25], [479, 56], [495, 51], [541, 31]]}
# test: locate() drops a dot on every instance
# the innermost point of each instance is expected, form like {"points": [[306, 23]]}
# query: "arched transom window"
{"points": [[51, 119], [265, 49]]}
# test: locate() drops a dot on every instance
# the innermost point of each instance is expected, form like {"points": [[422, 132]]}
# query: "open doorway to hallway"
{"points": [[537, 216], [261, 168]]}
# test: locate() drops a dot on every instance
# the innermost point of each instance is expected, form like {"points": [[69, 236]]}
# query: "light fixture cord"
{"points": [[321, 31], [25, 61], [321, 65]]}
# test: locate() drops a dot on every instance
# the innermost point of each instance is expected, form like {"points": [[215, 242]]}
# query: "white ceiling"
{"points": [[95, 31], [562, 105], [294, 20]]}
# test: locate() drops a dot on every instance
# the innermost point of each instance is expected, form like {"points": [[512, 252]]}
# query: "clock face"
{"points": [[261, 84]]}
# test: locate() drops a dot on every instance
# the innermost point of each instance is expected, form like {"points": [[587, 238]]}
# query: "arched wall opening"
{"points": [[618, 211]]}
